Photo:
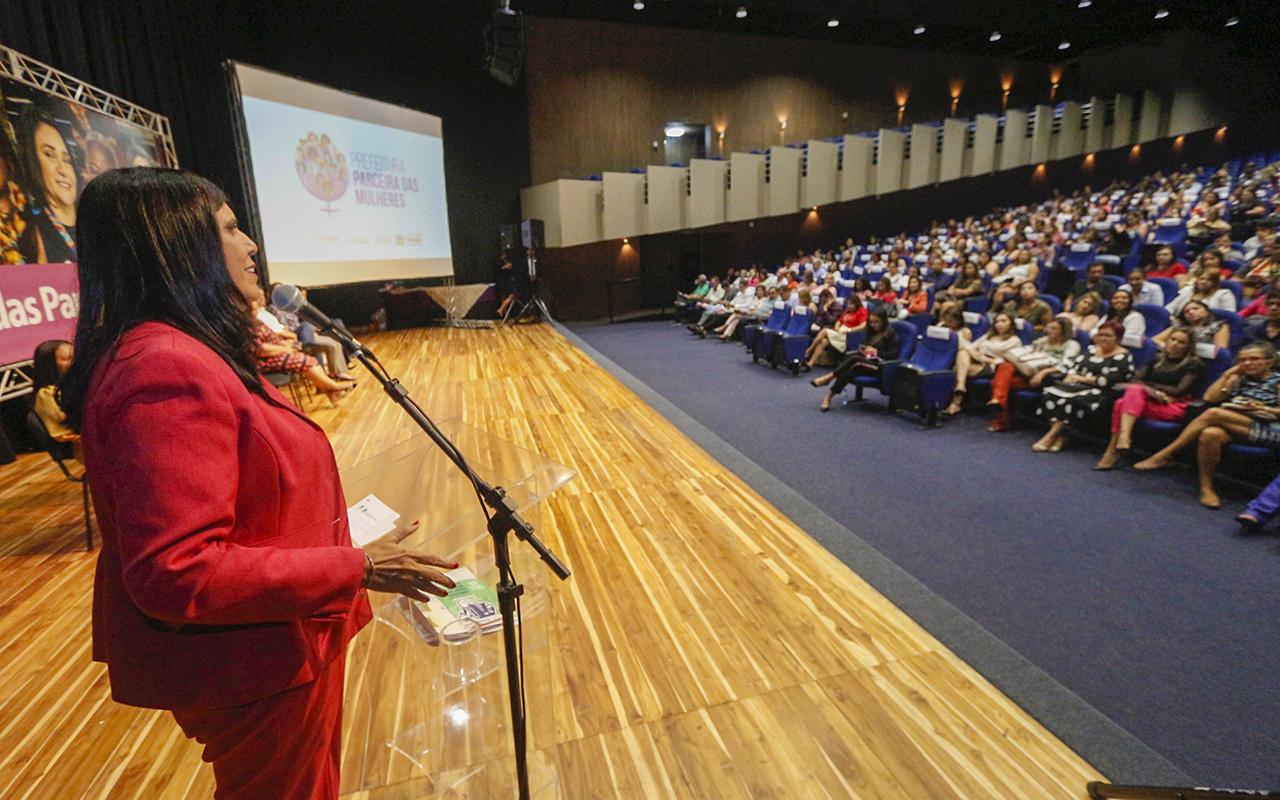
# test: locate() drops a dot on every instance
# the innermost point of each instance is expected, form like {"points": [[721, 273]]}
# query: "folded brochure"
{"points": [[471, 598]]}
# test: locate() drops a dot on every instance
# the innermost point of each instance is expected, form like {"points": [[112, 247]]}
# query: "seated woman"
{"points": [[879, 344], [1197, 320], [1207, 288], [1087, 312], [1021, 267], [1250, 411], [1160, 390], [756, 311], [830, 309], [277, 354], [915, 299], [1028, 306], [48, 365], [980, 358], [953, 318], [1167, 265], [1121, 311], [1050, 352], [967, 284], [1090, 382], [1212, 260], [887, 295], [854, 318], [287, 325]]}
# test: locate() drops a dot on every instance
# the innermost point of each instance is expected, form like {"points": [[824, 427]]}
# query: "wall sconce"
{"points": [[901, 111], [1135, 153], [1177, 144], [900, 94], [1221, 135], [956, 86], [1055, 79], [1088, 162], [1006, 83]]}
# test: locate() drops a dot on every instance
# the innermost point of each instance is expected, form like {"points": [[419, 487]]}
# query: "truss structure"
{"points": [[15, 380], [22, 69]]}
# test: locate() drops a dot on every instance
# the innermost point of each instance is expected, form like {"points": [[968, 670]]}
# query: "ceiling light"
{"points": [[674, 132], [919, 29], [742, 12], [1064, 45], [1084, 3], [1162, 13], [638, 5], [995, 37], [1233, 21], [833, 22]]}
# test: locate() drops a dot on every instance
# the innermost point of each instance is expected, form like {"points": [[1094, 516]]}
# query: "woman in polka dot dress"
{"points": [[1091, 384]]}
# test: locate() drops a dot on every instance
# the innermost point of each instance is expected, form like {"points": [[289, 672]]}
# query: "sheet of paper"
{"points": [[370, 518]]}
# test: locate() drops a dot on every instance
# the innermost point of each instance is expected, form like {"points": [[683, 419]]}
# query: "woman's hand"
{"points": [[396, 570]]}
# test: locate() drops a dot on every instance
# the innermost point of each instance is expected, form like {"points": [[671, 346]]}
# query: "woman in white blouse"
{"points": [[1207, 288]]}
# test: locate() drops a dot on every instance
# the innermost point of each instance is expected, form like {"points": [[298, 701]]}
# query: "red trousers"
{"points": [[1136, 403], [283, 747]]}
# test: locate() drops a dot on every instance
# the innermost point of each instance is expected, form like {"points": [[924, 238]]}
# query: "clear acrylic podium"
{"points": [[425, 717]]}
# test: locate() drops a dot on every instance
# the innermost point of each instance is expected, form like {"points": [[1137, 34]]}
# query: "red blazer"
{"points": [[226, 573]]}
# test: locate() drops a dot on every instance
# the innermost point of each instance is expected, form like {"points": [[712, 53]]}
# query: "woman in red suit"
{"points": [[227, 587]]}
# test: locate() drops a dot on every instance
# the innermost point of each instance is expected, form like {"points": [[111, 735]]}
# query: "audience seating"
{"points": [[790, 344], [764, 337], [1157, 317], [1168, 285], [923, 383]]}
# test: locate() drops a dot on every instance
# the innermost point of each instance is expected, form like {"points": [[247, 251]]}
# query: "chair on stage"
{"points": [[61, 452], [295, 383]]}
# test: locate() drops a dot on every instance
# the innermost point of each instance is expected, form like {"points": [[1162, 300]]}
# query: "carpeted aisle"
{"points": [[1118, 585]]}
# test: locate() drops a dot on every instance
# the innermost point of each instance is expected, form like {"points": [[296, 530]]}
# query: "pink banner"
{"points": [[38, 302]]}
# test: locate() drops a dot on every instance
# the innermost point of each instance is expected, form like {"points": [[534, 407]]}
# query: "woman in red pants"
{"points": [[1056, 346], [1160, 390], [227, 587]]}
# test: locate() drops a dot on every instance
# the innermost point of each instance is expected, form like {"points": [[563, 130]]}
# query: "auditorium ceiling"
{"points": [[1034, 30]]}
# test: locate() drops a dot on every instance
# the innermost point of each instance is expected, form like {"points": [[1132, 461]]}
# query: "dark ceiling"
{"points": [[1029, 29]]}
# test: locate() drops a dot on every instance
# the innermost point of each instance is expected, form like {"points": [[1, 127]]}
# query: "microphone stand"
{"points": [[500, 511]]}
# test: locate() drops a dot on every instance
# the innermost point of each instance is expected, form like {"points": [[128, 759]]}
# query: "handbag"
{"points": [[1028, 361]]}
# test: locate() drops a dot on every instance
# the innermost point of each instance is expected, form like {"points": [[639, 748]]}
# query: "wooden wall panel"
{"points": [[599, 93]]}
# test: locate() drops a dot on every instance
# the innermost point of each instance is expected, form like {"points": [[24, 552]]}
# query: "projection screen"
{"points": [[347, 189]]}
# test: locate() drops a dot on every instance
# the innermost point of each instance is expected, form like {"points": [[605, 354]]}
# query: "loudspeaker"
{"points": [[504, 46], [533, 233], [507, 237]]}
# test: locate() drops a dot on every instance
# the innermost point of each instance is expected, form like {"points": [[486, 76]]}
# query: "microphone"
{"points": [[289, 298]]}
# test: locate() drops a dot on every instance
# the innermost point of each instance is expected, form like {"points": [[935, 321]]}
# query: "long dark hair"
{"points": [[31, 118], [44, 364], [873, 339], [150, 250]]}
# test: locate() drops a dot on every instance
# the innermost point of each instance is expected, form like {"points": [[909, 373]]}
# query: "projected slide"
{"points": [[348, 189]]}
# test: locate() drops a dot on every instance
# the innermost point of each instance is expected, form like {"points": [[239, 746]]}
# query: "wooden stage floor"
{"points": [[705, 647]]}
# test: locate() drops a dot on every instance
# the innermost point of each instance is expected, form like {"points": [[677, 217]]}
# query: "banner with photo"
{"points": [[50, 148]]}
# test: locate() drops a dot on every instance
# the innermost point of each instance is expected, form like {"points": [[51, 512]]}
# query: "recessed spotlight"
{"points": [[638, 5], [674, 132], [995, 37], [833, 22], [1064, 45], [1162, 13], [1084, 3], [919, 29], [1232, 21], [742, 12]]}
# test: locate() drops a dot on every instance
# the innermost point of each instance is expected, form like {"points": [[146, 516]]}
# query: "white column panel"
{"points": [[1190, 113], [1093, 135], [1149, 122], [818, 184], [1122, 130], [1041, 135], [665, 209], [746, 186], [543, 202], [1013, 152], [855, 168], [1070, 136], [889, 164], [581, 207], [984, 144], [623, 204], [784, 180], [951, 165], [706, 191], [924, 155]]}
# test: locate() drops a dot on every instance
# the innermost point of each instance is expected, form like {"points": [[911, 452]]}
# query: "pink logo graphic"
{"points": [[322, 169]]}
